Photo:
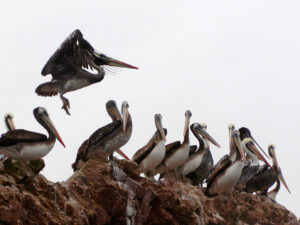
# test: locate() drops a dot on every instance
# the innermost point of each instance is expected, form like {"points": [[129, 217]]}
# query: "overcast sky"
{"points": [[226, 61]]}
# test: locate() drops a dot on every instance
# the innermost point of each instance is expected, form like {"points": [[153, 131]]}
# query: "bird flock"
{"points": [[245, 168]]}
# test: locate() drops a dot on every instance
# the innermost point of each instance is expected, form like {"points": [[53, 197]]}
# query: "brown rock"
{"points": [[102, 193]]}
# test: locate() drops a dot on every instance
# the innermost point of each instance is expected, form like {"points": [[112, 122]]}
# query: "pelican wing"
{"points": [[75, 50], [144, 151], [95, 139], [224, 163], [102, 133], [170, 148], [20, 136]]}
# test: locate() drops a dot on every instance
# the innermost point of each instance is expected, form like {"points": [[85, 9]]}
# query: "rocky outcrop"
{"points": [[99, 193]]}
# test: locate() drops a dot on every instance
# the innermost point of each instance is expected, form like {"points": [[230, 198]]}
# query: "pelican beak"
{"points": [[53, 129], [283, 181], [125, 118], [205, 135], [188, 115], [159, 126], [236, 140], [125, 114], [105, 60], [121, 153], [259, 146], [259, 155]]}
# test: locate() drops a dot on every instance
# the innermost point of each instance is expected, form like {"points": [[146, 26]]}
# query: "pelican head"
{"points": [[245, 133], [125, 114], [271, 149], [9, 122], [203, 125], [250, 148], [113, 111], [231, 126], [188, 116], [41, 115], [200, 129], [159, 126]]}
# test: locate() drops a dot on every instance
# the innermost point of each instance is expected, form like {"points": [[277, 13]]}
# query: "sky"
{"points": [[226, 61]]}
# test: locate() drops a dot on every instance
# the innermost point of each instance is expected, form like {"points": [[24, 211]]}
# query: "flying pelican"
{"points": [[152, 154], [245, 133], [176, 152], [200, 163], [104, 141], [224, 177], [265, 178], [67, 67], [26, 145], [253, 166]]}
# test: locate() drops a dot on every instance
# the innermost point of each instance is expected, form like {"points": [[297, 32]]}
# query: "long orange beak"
{"points": [[113, 62], [54, 131], [206, 135], [121, 153]]}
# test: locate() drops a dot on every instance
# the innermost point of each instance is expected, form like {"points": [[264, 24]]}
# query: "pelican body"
{"points": [[25, 145], [68, 68], [224, 177], [252, 166], [176, 152], [104, 141], [153, 153], [199, 164], [266, 177]]}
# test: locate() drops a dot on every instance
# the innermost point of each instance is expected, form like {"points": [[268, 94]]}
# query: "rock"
{"points": [[103, 193]]}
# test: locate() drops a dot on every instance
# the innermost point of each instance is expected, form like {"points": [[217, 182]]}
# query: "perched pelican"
{"points": [[266, 177], [153, 153], [25, 145], [67, 67], [104, 141], [245, 133], [176, 152], [224, 177], [10, 125], [253, 166], [200, 163], [9, 122]]}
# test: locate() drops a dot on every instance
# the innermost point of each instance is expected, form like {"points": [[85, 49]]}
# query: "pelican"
{"points": [[200, 163], [9, 122], [266, 177], [245, 133], [176, 152], [152, 154], [224, 177], [67, 67], [10, 125], [104, 141], [25, 145], [253, 164]]}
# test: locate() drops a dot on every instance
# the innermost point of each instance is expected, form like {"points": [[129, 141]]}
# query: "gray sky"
{"points": [[226, 61]]}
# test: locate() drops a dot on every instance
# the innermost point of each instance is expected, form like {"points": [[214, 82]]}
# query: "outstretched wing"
{"points": [[20, 136], [74, 50]]}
